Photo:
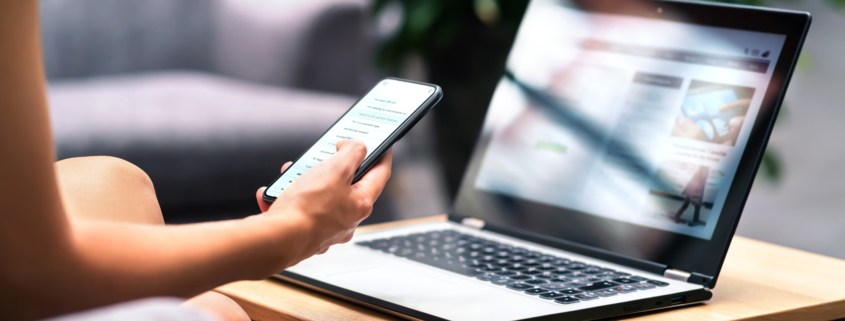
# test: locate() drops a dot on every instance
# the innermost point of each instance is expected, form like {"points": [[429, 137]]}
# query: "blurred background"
{"points": [[211, 97]]}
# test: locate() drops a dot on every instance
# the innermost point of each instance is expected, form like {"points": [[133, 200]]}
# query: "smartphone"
{"points": [[379, 119]]}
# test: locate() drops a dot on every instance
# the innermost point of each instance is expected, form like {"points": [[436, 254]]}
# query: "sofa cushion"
{"points": [[201, 138]]}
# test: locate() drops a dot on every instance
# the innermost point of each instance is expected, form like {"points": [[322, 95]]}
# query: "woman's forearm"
{"points": [[115, 262]]}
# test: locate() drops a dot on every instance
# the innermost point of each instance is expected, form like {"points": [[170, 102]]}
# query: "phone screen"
{"points": [[372, 119]]}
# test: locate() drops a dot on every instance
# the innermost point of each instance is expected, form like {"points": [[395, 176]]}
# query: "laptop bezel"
{"points": [[709, 255]]}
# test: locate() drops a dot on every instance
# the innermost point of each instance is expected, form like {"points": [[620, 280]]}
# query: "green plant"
{"points": [[433, 27], [839, 4]]}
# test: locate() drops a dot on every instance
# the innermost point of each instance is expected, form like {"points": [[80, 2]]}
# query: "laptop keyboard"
{"points": [[546, 276]]}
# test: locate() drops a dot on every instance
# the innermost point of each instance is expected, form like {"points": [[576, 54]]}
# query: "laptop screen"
{"points": [[623, 132]]}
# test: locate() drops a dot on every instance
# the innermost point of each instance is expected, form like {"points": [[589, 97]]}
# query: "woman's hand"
{"points": [[326, 201]]}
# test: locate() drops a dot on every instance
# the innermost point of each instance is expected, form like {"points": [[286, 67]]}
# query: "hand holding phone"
{"points": [[379, 119], [323, 204]]}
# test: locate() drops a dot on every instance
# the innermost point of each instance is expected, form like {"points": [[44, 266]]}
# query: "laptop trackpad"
{"points": [[390, 281]]}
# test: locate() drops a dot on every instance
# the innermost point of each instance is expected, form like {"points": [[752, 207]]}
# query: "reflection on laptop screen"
{"points": [[683, 100]]}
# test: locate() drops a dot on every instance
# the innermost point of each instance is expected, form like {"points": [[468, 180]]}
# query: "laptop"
{"points": [[614, 162]]}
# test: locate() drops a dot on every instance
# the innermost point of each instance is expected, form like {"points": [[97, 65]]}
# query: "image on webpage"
{"points": [[648, 118]]}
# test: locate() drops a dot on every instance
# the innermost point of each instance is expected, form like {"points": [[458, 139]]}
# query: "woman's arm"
{"points": [[33, 228], [50, 265]]}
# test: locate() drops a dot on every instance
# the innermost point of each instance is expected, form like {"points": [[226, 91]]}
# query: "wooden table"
{"points": [[759, 281]]}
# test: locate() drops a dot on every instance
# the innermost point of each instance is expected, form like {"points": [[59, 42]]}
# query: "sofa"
{"points": [[211, 97]]}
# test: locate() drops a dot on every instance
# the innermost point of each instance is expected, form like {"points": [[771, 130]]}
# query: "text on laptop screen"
{"points": [[642, 127]]}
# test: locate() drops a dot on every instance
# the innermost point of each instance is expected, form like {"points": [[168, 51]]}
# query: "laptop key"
{"points": [[570, 291], [658, 283], [576, 284], [535, 291], [554, 286], [502, 263], [536, 281], [519, 251], [586, 296], [623, 290], [592, 271], [506, 273], [504, 247], [501, 281], [521, 277], [490, 268], [547, 268], [547, 258], [379, 244], [517, 267], [547, 276], [519, 286], [643, 286], [488, 259], [531, 263], [606, 277], [487, 277], [625, 281], [567, 300], [605, 293], [551, 295], [598, 286], [532, 272]]}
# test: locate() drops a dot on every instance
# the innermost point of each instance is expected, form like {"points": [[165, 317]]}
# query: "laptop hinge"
{"points": [[676, 275], [473, 223]]}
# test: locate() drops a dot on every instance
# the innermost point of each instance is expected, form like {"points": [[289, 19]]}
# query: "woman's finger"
{"points": [[259, 196], [349, 156], [372, 183]]}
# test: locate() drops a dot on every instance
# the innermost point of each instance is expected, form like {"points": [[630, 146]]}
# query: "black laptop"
{"points": [[615, 159]]}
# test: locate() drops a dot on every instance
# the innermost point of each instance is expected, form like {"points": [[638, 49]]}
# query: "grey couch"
{"points": [[209, 97]]}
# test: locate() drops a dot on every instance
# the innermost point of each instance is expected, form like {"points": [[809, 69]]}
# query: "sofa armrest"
{"points": [[324, 45]]}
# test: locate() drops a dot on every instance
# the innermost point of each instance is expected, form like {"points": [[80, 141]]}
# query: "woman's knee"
{"points": [[108, 188], [107, 167]]}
